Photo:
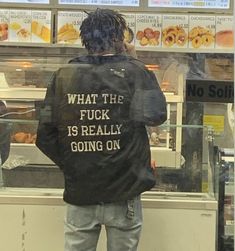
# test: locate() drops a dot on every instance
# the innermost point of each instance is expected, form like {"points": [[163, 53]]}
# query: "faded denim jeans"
{"points": [[122, 221]]}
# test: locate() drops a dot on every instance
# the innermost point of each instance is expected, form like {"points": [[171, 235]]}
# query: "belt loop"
{"points": [[130, 209]]}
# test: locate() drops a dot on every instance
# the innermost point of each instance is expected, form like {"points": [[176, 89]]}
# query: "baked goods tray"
{"points": [[25, 154]]}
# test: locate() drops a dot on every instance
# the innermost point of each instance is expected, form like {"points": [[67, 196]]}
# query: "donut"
{"points": [[181, 38], [197, 42], [156, 34], [148, 33], [144, 41], [193, 33], [207, 40], [139, 35], [169, 39], [170, 29], [153, 41]]}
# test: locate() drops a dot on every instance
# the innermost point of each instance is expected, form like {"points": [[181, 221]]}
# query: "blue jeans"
{"points": [[122, 221]]}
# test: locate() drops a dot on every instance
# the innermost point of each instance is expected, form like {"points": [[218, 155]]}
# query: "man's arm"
{"points": [[149, 103], [5, 132], [47, 132], [5, 140]]}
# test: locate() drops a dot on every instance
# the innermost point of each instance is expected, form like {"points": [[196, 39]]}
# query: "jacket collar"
{"points": [[99, 59]]}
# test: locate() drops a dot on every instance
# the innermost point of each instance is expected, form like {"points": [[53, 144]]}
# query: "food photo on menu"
{"points": [[201, 36], [148, 30], [202, 30], [68, 29], [224, 37], [41, 31], [175, 31], [19, 33], [148, 36], [68, 33]]}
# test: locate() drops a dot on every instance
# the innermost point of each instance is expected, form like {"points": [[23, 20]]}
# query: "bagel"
{"points": [[170, 29]]}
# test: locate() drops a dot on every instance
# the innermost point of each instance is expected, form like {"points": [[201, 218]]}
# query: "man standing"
{"points": [[93, 128]]}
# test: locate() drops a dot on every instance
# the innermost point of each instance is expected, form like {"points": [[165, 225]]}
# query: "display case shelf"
{"points": [[22, 93], [25, 93]]}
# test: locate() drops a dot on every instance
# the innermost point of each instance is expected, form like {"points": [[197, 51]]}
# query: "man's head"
{"points": [[103, 31]]}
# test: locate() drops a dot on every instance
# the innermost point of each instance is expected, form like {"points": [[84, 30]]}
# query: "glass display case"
{"points": [[23, 82], [182, 202], [185, 177]]}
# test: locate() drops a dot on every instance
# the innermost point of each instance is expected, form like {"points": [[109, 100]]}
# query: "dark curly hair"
{"points": [[103, 31]]}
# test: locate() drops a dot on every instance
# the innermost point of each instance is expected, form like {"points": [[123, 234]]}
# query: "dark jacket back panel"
{"points": [[99, 117]]}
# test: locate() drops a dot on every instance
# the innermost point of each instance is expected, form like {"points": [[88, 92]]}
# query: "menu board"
{"points": [[212, 4], [27, 26], [130, 3], [26, 1]]}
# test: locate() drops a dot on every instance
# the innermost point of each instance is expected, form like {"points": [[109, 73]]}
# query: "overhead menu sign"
{"points": [[211, 4], [26, 1], [102, 2]]}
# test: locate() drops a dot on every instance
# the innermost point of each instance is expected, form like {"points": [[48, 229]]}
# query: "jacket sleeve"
{"points": [[5, 140], [47, 132], [5, 132], [148, 103]]}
